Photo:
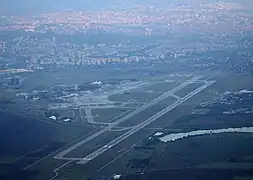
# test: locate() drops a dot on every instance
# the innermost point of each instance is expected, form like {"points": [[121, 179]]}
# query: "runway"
{"points": [[143, 124], [128, 116]]}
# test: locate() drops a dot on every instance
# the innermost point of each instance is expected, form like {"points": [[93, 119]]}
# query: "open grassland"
{"points": [[160, 87], [135, 96], [202, 150], [109, 114]]}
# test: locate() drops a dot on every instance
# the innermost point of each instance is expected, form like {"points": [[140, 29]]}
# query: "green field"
{"points": [[134, 96], [231, 82], [75, 76], [46, 165], [109, 114], [218, 120], [203, 150], [51, 137], [160, 87]]}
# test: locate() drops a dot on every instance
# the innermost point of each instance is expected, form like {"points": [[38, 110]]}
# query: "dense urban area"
{"points": [[74, 38], [126, 90]]}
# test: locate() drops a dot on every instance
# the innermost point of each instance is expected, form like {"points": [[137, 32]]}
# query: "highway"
{"points": [[143, 124], [128, 116]]}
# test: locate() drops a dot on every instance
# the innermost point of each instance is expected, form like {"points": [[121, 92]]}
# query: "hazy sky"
{"points": [[15, 6], [34, 5]]}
